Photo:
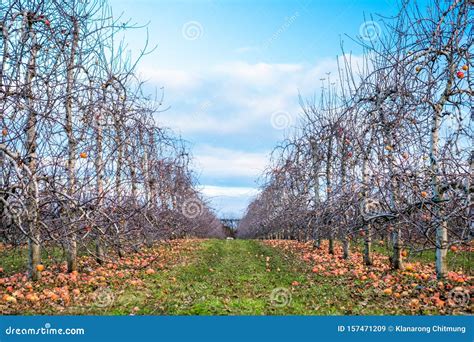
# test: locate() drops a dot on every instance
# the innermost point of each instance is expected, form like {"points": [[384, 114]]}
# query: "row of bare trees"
{"points": [[82, 162], [386, 151]]}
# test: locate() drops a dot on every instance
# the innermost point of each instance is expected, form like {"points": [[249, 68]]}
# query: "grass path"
{"points": [[239, 277]]}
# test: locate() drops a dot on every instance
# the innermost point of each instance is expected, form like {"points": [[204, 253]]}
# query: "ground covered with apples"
{"points": [[235, 277]]}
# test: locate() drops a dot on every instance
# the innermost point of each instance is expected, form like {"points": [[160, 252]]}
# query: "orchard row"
{"points": [[83, 163], [386, 152]]}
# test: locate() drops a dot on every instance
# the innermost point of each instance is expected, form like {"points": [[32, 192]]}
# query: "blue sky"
{"points": [[232, 72]]}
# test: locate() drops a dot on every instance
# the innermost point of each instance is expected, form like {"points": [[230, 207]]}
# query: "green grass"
{"points": [[231, 278], [223, 277], [14, 260]]}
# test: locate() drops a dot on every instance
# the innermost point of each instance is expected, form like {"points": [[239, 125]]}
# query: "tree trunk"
{"points": [[440, 224], [118, 181], [368, 245], [331, 243], [72, 253], [145, 167], [396, 258], [99, 173], [34, 252], [346, 248], [397, 262], [328, 192], [344, 237], [99, 251], [317, 200], [34, 234], [316, 238], [71, 250], [367, 226]]}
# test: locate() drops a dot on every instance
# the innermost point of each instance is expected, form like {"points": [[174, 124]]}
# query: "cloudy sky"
{"points": [[232, 72]]}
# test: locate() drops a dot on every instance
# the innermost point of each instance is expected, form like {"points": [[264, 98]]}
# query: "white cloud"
{"points": [[238, 96], [222, 162], [228, 191], [202, 122], [256, 74], [229, 201], [170, 79]]}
